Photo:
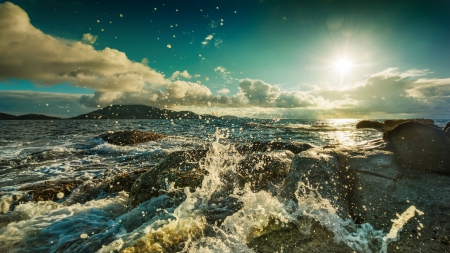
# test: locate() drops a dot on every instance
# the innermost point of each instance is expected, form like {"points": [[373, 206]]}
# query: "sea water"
{"points": [[39, 151]]}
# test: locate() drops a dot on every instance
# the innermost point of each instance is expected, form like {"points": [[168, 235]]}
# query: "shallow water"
{"points": [[39, 151]]}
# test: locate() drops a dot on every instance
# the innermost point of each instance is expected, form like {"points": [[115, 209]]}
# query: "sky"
{"points": [[254, 58]]}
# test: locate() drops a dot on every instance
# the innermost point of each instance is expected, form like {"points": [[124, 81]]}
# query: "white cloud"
{"points": [[28, 53], [207, 39], [223, 91], [177, 74], [89, 38], [262, 94]]}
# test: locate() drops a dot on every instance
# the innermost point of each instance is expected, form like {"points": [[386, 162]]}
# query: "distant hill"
{"points": [[140, 112], [5, 116], [229, 117], [36, 117]]}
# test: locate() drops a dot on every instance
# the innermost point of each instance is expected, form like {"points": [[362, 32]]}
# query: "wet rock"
{"points": [[429, 193], [420, 147], [180, 169], [290, 239], [50, 190], [321, 170], [391, 123], [262, 169], [373, 175], [369, 124], [123, 181], [261, 146], [132, 137], [108, 184], [447, 127]]}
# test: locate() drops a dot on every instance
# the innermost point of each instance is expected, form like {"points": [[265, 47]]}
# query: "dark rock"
{"points": [[370, 187], [260, 169], [391, 123], [420, 147], [180, 168], [321, 170], [290, 239], [50, 190], [123, 181], [132, 137], [261, 146], [447, 127], [373, 175], [370, 124]]}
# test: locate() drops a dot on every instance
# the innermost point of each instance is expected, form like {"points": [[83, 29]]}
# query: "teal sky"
{"points": [[295, 59]]}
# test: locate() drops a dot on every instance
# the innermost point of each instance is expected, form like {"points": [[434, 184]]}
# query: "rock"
{"points": [[369, 124], [373, 175], [123, 181], [369, 186], [50, 190], [132, 137], [429, 193], [447, 127], [319, 169], [290, 239], [180, 169], [391, 123], [260, 146], [420, 147], [260, 169]]}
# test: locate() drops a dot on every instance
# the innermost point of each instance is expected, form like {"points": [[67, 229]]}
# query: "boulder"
{"points": [[391, 123], [319, 169], [373, 175], [371, 188], [266, 146], [420, 147], [131, 137], [447, 127], [180, 169], [369, 124], [260, 169]]}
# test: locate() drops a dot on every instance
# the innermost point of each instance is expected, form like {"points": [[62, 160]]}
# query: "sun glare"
{"points": [[343, 65]]}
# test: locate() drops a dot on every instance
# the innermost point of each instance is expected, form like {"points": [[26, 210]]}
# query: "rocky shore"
{"points": [[400, 185]]}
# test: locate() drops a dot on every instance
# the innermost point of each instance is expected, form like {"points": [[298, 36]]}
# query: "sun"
{"points": [[343, 65]]}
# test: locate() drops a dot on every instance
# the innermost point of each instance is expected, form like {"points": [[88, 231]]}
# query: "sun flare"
{"points": [[343, 65]]}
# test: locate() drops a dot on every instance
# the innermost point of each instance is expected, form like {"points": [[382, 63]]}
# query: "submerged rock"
{"points": [[369, 124], [132, 137], [178, 170], [262, 169], [420, 147]]}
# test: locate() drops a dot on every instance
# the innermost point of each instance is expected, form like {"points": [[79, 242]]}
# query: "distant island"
{"points": [[123, 112], [5, 116]]}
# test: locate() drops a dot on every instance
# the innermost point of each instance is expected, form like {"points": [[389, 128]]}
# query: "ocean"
{"points": [[89, 218]]}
